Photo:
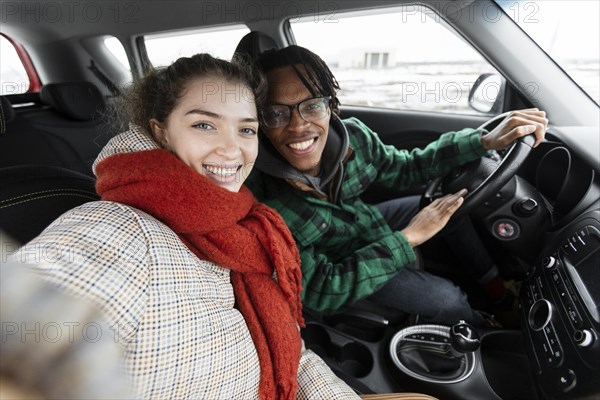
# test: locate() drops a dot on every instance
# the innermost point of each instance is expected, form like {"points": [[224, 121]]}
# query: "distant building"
{"points": [[362, 57]]}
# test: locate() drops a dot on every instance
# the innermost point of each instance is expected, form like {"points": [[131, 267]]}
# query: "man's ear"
{"points": [[159, 133]]}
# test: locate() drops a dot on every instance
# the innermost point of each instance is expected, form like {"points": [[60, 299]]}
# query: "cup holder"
{"points": [[356, 359], [352, 357], [317, 339]]}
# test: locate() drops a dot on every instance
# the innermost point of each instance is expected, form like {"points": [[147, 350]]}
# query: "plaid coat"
{"points": [[173, 313], [347, 249]]}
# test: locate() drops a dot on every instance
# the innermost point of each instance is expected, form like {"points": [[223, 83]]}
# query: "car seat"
{"points": [[63, 128], [252, 45], [33, 195]]}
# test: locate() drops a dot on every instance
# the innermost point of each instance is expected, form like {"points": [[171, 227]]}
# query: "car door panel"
{"points": [[410, 129]]}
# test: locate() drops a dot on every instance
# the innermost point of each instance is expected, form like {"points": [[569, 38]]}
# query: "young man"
{"points": [[313, 169]]}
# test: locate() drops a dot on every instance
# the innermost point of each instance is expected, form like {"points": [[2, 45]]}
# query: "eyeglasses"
{"points": [[313, 109]]}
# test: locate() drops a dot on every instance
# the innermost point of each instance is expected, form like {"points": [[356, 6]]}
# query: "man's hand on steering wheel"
{"points": [[517, 124], [482, 178]]}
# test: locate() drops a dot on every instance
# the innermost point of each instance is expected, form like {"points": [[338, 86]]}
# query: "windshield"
{"points": [[569, 31]]}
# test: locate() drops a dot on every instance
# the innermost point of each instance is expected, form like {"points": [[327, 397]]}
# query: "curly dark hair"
{"points": [[319, 79], [157, 93]]}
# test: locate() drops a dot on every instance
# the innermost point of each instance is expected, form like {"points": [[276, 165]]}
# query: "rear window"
{"points": [[13, 77], [163, 49]]}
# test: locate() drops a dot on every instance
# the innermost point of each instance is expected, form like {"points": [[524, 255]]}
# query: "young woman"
{"points": [[200, 282]]}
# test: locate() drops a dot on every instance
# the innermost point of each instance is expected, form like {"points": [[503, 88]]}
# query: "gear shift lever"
{"points": [[463, 338], [436, 353]]}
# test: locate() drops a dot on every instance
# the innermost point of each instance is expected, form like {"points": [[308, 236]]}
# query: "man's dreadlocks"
{"points": [[318, 78]]}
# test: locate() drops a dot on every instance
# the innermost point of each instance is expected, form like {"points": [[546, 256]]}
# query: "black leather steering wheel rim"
{"points": [[506, 169]]}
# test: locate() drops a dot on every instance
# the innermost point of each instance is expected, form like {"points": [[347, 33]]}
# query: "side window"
{"points": [[13, 76], [404, 58], [115, 47], [164, 48], [115, 64]]}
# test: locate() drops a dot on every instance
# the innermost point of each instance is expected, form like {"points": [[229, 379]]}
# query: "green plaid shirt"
{"points": [[347, 249]]}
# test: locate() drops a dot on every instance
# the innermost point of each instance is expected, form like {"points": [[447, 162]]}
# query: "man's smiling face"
{"points": [[300, 142]]}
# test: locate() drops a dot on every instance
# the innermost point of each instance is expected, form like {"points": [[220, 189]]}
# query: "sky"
{"points": [[567, 29]]}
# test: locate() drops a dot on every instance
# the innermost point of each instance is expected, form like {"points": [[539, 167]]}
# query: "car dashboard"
{"points": [[549, 217], [560, 304]]}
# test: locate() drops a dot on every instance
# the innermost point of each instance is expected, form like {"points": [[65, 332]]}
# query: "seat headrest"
{"points": [[253, 44], [7, 113], [76, 100]]}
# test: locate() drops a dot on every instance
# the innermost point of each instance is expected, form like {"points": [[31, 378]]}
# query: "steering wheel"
{"points": [[484, 177]]}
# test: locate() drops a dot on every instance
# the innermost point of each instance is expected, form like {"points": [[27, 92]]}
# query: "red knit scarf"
{"points": [[234, 231]]}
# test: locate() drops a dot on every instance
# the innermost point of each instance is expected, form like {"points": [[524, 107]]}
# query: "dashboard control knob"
{"points": [[567, 381], [583, 338], [540, 314], [549, 262]]}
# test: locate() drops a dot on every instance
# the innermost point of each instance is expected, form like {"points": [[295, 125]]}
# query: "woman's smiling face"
{"points": [[213, 129]]}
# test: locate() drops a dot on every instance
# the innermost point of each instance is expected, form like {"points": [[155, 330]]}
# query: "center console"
{"points": [[561, 306], [457, 363], [555, 355]]}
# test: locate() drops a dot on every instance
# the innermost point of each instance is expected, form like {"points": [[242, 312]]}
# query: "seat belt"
{"points": [[114, 90]]}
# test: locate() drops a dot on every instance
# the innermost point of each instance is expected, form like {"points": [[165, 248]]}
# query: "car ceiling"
{"points": [[34, 22]]}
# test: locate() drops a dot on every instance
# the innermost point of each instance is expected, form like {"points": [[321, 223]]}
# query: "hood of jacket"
{"points": [[131, 141]]}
